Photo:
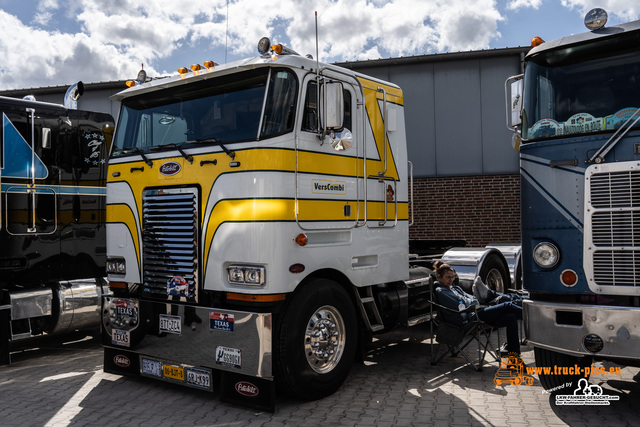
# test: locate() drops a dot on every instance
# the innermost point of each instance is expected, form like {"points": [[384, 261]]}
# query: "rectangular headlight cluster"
{"points": [[116, 266], [246, 274]]}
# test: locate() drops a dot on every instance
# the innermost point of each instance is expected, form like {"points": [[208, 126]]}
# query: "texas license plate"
{"points": [[199, 378], [120, 337], [151, 367], [229, 356], [170, 324]]}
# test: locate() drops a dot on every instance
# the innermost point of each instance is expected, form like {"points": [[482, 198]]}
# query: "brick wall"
{"points": [[479, 209]]}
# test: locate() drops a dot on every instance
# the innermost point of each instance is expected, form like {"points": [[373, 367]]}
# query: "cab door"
{"points": [[28, 188], [329, 169]]}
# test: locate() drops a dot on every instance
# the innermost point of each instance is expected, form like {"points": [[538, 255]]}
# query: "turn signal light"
{"points": [[569, 278], [301, 239]]}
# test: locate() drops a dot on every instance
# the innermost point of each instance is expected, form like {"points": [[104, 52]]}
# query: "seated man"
{"points": [[505, 314]]}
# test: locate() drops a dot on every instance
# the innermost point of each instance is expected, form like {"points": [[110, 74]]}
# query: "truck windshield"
{"points": [[222, 110], [582, 89]]}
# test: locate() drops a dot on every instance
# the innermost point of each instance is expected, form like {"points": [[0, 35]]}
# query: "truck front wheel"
{"points": [[494, 273], [557, 371], [316, 341]]}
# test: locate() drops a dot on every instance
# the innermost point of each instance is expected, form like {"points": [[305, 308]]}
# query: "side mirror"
{"points": [[331, 106], [513, 98], [46, 138]]}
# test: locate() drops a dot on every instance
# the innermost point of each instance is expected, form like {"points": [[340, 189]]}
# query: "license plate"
{"points": [[199, 378], [170, 324], [120, 337], [151, 367], [173, 372], [229, 356]]}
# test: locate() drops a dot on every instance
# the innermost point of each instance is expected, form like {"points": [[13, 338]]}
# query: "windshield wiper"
{"points": [[216, 141], [622, 130], [177, 147], [137, 150]]}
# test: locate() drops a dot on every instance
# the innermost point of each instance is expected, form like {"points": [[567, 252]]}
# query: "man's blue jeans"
{"points": [[506, 315]]}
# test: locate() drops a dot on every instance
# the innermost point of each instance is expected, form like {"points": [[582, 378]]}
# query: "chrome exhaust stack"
{"points": [[74, 92]]}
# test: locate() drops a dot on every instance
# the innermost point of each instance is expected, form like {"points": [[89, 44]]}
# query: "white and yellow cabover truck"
{"points": [[257, 223]]}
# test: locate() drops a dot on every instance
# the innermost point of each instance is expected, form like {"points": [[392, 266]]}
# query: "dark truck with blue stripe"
{"points": [[53, 165]]}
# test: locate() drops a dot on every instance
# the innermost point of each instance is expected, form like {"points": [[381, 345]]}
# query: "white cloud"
{"points": [[519, 4], [624, 10], [98, 40]]}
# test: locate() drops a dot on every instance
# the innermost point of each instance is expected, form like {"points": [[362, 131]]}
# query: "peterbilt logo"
{"points": [[247, 389], [122, 361], [170, 168]]}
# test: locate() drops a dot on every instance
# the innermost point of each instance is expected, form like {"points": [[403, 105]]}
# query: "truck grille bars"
{"points": [[613, 219], [170, 243]]}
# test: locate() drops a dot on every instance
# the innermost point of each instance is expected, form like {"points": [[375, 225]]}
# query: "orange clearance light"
{"points": [[183, 70], [130, 83], [196, 67], [209, 64], [301, 239], [536, 41], [277, 49], [117, 285]]}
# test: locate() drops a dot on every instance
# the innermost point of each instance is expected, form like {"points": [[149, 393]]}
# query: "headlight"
{"points": [[116, 266], [546, 255], [246, 275]]}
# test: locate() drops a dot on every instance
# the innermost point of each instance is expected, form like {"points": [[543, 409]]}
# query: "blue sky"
{"points": [[55, 42]]}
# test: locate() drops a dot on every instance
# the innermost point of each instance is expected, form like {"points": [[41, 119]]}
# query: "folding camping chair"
{"points": [[457, 338]]}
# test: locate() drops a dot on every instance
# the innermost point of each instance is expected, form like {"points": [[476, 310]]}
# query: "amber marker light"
{"points": [[536, 41], [196, 67], [277, 49], [209, 65], [255, 298], [301, 239], [117, 285], [130, 83], [569, 278], [296, 268]]}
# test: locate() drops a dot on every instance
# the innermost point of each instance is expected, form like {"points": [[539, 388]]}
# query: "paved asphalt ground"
{"points": [[62, 383]]}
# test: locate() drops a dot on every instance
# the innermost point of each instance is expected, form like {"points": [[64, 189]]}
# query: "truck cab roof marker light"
{"points": [[536, 41]]}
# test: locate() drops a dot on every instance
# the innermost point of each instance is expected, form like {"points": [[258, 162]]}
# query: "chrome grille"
{"points": [[615, 226], [169, 239]]}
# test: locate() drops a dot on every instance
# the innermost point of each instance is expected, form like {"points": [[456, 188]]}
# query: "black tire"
{"points": [[321, 314], [518, 284], [494, 274], [558, 381]]}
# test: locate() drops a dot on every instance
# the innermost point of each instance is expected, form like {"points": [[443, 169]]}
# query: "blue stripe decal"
{"points": [[547, 195]]}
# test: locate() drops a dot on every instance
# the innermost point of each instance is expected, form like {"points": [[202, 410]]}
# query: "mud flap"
{"points": [[251, 392], [121, 362]]}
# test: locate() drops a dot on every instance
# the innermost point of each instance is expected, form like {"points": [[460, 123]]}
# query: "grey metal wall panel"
{"points": [[498, 156], [458, 123], [418, 85]]}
